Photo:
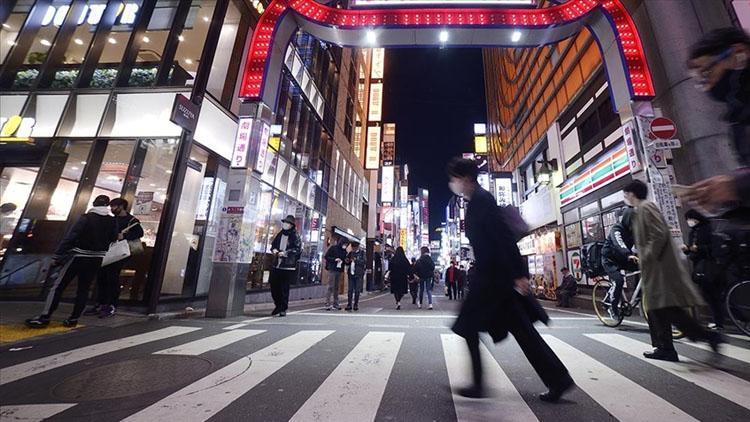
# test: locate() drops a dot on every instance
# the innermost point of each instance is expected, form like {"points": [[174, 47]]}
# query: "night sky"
{"points": [[434, 96]]}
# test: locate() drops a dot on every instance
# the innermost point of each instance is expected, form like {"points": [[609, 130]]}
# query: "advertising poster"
{"points": [[143, 203]]}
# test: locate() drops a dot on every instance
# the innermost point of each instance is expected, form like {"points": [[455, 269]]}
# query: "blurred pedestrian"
{"points": [[413, 283], [287, 248], [461, 282], [108, 279], [567, 289], [425, 271], [401, 271], [451, 280], [356, 260], [667, 291], [705, 272], [470, 275], [335, 256], [80, 254], [499, 300]]}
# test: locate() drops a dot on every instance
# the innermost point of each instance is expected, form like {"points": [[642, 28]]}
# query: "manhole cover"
{"points": [[131, 378]]}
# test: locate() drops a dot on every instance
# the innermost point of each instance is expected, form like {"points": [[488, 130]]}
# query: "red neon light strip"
{"points": [[260, 49]]}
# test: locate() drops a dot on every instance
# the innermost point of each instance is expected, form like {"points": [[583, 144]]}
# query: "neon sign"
{"points": [[91, 14], [16, 128]]}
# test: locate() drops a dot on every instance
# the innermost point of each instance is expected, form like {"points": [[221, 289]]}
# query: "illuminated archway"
{"points": [[608, 20]]}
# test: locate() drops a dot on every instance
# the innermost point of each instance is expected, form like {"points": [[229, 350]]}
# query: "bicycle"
{"points": [[601, 297], [737, 305]]}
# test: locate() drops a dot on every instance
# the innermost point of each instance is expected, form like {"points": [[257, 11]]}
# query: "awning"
{"points": [[345, 234]]}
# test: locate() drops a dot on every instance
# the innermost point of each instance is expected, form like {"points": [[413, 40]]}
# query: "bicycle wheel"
{"points": [[738, 306], [600, 298]]}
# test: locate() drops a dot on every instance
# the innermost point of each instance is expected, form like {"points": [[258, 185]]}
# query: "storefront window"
{"points": [[609, 219], [64, 195], [192, 39], [114, 49], [264, 213], [11, 27], [224, 51], [114, 168], [83, 115], [46, 110], [573, 235], [592, 229], [15, 188], [152, 45]]}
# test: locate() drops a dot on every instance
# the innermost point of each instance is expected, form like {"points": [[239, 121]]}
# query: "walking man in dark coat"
{"points": [[496, 303]]}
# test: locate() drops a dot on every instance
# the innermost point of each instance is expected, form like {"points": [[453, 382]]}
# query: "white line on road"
{"points": [[620, 396], [718, 382], [37, 366], [389, 326], [235, 326], [199, 347], [204, 398], [355, 314], [505, 400], [32, 412], [728, 350], [355, 388], [739, 337]]}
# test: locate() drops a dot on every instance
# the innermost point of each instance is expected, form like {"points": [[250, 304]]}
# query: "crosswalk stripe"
{"points": [[620, 396], [206, 397], [718, 382], [235, 326], [37, 366], [505, 400], [32, 412], [727, 350], [355, 388], [198, 347]]}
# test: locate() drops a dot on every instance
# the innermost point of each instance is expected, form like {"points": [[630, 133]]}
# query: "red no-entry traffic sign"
{"points": [[663, 128]]}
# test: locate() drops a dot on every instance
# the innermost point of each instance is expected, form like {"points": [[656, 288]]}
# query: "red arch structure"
{"points": [[608, 20]]}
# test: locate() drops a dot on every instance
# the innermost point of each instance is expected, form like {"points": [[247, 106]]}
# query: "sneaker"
{"points": [[398, 306], [329, 308], [107, 312], [70, 322], [419, 305], [348, 308], [37, 322], [275, 311], [94, 310], [356, 308], [282, 314], [430, 307]]}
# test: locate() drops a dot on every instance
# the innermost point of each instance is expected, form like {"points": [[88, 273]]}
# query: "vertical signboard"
{"points": [[388, 152], [357, 142], [376, 102], [260, 157], [372, 153], [378, 62], [425, 228], [504, 191], [386, 185], [242, 142], [403, 195], [630, 147]]}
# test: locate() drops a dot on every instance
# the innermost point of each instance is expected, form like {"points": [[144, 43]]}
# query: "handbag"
{"points": [[135, 245], [117, 252]]}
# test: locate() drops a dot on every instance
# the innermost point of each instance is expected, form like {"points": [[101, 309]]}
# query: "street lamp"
{"points": [[545, 171]]}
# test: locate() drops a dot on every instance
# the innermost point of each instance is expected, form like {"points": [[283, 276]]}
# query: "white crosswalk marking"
{"points": [[505, 399], [204, 398], [621, 397], [727, 350], [355, 388], [27, 369], [32, 412], [718, 382], [235, 326], [198, 347]]}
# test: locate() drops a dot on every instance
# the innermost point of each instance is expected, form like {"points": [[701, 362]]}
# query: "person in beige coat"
{"points": [[667, 289]]}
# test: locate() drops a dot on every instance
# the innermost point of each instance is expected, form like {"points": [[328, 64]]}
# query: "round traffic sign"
{"points": [[663, 128]]}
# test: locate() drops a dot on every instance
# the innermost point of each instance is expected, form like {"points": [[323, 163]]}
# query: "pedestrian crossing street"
{"points": [[608, 367]]}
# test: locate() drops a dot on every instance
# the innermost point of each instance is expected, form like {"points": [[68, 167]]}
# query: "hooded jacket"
{"points": [[293, 249], [619, 244], [91, 235]]}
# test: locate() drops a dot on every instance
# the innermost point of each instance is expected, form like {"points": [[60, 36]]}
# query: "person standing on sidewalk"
{"points": [[286, 248], [335, 257], [451, 280], [667, 289], [424, 268], [356, 261], [80, 254], [401, 272], [108, 280], [499, 300], [461, 282]]}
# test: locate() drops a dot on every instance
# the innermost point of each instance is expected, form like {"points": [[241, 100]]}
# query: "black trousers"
{"points": [[280, 281], [563, 298], [713, 292], [398, 296], [82, 268], [615, 277], [545, 362], [414, 291], [108, 283], [660, 323], [460, 291], [452, 291]]}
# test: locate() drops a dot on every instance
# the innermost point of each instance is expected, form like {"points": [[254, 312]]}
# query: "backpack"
{"points": [[591, 259]]}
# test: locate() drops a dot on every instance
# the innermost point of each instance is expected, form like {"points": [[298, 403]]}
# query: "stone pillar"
{"points": [[233, 253]]}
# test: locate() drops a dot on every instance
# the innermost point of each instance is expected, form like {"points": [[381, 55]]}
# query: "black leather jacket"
{"points": [[293, 249]]}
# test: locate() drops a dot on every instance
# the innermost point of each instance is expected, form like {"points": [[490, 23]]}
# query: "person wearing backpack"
{"points": [[425, 271], [80, 254], [616, 255]]}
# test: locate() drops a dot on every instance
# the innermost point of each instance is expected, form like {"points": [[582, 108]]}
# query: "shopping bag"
{"points": [[117, 252], [136, 247]]}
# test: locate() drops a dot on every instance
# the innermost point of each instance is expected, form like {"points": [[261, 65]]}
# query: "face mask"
{"points": [[286, 226], [692, 223], [455, 187]]}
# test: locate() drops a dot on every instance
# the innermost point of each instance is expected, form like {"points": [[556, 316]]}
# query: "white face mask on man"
{"points": [[286, 226], [692, 223]]}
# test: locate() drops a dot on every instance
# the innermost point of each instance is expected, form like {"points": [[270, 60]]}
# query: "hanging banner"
{"points": [[376, 102], [242, 142], [388, 152], [372, 153], [386, 184], [378, 63]]}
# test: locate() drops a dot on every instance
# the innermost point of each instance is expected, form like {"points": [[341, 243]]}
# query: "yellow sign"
{"points": [[16, 128], [275, 142], [480, 145]]}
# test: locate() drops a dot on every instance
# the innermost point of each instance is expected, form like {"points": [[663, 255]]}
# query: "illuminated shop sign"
{"points": [[480, 144], [242, 142], [388, 151], [362, 3], [504, 191], [378, 61], [372, 153], [91, 14], [16, 128], [387, 184], [376, 102]]}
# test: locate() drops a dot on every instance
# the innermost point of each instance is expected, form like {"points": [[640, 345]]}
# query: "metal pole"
{"points": [[166, 225]]}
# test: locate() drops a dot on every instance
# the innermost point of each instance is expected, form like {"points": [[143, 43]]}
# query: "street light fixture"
{"points": [[443, 36], [372, 37], [516, 36], [545, 171]]}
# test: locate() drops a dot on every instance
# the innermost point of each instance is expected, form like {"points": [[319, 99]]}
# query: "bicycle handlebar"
{"points": [[627, 274]]}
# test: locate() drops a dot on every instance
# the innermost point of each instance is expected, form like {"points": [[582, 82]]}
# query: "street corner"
{"points": [[15, 333]]}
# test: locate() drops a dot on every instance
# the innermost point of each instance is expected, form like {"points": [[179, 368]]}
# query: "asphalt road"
{"points": [[374, 364]]}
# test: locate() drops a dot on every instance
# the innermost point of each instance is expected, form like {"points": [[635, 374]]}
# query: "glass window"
{"points": [[573, 235], [114, 168], [15, 188], [152, 44], [592, 229], [145, 114], [192, 39], [11, 105], [114, 49], [224, 51], [76, 154], [84, 115], [11, 27], [47, 112]]}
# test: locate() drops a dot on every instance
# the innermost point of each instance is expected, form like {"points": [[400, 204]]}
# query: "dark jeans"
{"points": [[660, 323], [108, 283], [616, 278], [83, 268], [355, 287], [546, 364], [460, 291], [452, 291], [280, 280], [414, 290], [398, 296], [713, 292]]}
